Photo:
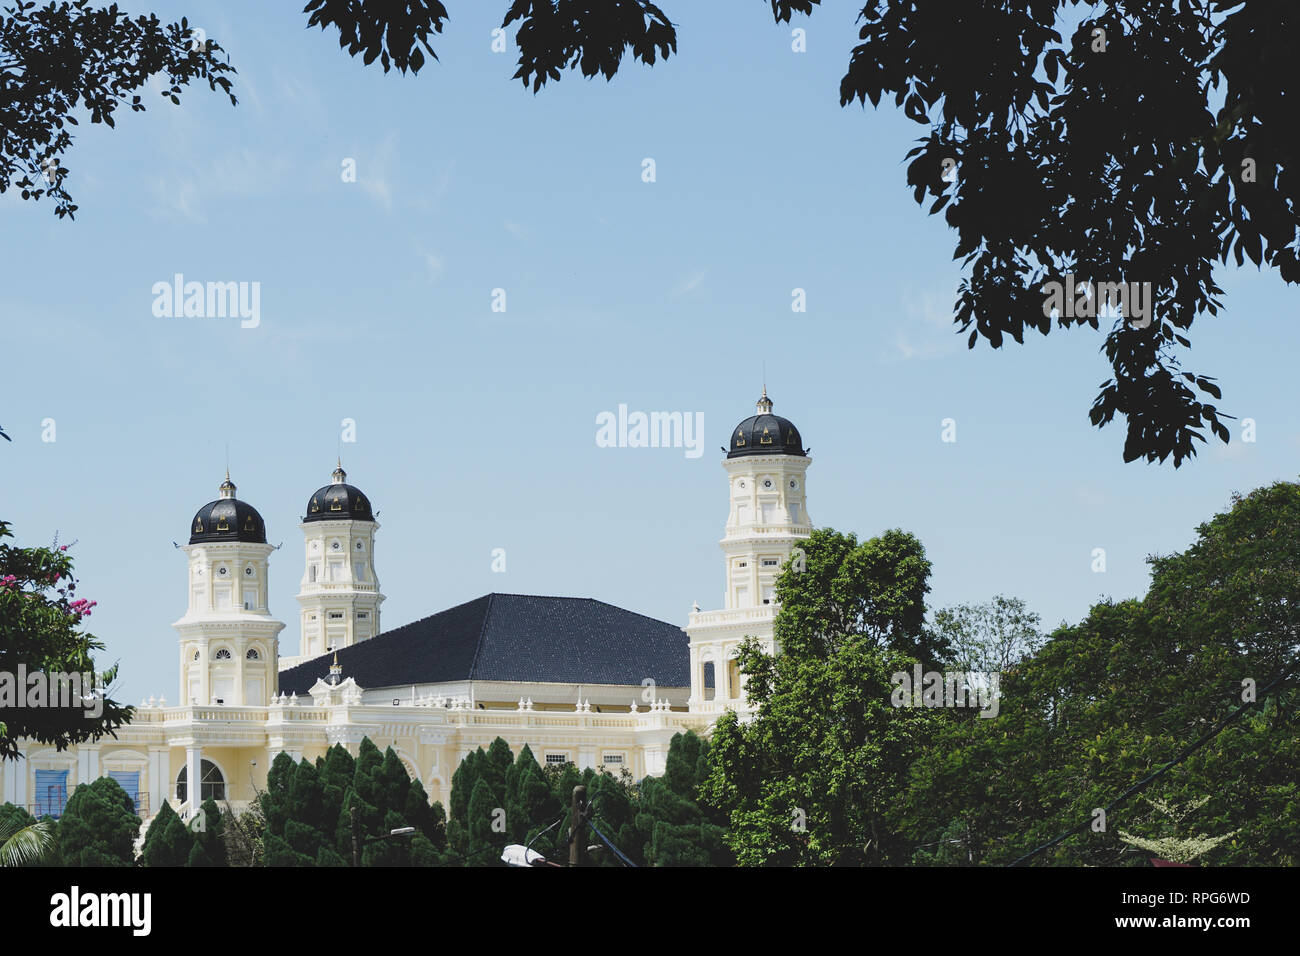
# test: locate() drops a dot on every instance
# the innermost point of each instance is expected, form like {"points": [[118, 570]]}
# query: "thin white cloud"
{"points": [[690, 284], [927, 333], [375, 169]]}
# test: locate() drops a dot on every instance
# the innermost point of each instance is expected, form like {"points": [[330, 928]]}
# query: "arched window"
{"points": [[222, 655], [252, 655], [212, 785], [196, 655]]}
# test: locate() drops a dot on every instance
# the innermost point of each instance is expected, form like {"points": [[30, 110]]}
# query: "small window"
{"points": [[612, 759], [222, 655], [770, 562], [252, 655], [196, 655], [336, 615], [363, 615], [742, 564], [311, 574], [556, 759]]}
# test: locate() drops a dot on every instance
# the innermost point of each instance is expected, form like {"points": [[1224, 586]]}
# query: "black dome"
{"points": [[339, 501], [765, 434], [227, 519]]}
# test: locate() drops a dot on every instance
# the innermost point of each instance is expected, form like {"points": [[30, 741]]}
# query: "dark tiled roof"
{"points": [[513, 637]]}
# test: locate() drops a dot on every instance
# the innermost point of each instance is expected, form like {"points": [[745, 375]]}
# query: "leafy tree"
{"points": [[23, 839], [65, 59], [845, 590], [99, 826], [989, 637], [1118, 696], [40, 631], [811, 779], [243, 833], [168, 841]]}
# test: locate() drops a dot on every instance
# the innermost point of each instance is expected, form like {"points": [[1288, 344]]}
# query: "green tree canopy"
{"points": [[1119, 695], [98, 827], [41, 621]]}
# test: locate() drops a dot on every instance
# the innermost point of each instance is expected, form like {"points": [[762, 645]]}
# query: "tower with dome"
{"points": [[767, 517]]}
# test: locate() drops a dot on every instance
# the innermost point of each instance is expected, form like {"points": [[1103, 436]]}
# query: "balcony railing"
{"points": [[746, 530]]}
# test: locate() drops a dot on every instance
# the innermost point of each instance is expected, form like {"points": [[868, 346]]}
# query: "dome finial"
{"points": [[340, 475], [227, 486], [765, 403]]}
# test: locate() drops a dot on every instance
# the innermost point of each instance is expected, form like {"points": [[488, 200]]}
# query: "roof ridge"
{"points": [[478, 644]]}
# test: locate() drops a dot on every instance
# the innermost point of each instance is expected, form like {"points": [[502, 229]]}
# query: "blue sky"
{"points": [[476, 429]]}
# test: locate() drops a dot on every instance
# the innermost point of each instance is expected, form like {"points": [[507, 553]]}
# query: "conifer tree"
{"points": [[168, 841]]}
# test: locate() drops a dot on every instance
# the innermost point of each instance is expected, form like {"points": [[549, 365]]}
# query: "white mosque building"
{"points": [[576, 679]]}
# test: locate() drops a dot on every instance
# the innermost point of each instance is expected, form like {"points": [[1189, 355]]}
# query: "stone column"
{"points": [[159, 777], [17, 769], [193, 776]]}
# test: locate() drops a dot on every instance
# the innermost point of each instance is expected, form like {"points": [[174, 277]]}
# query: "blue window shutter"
{"points": [[51, 793], [128, 780]]}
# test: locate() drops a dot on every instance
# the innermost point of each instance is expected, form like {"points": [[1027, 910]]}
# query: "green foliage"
{"points": [[23, 840], [308, 815], [812, 778], [873, 591], [168, 841], [59, 56], [99, 826], [991, 637], [652, 823], [1117, 696], [209, 840], [40, 631]]}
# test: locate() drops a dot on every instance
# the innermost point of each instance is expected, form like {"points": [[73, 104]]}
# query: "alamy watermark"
{"points": [[211, 300], [947, 689], [56, 690], [1089, 300], [651, 430]]}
